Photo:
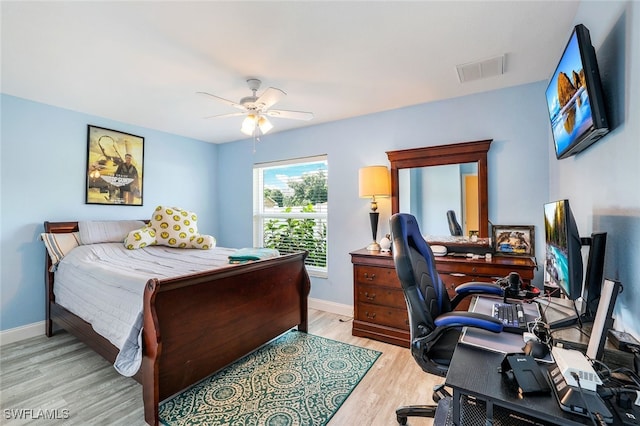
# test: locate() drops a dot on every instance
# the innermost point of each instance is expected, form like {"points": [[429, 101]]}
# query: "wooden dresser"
{"points": [[380, 311]]}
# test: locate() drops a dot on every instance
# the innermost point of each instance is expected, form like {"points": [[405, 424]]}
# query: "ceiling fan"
{"points": [[257, 109]]}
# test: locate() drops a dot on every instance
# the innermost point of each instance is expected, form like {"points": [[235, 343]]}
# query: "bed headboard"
{"points": [[60, 227]]}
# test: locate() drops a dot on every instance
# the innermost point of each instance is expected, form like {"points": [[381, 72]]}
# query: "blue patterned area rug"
{"points": [[297, 379]]}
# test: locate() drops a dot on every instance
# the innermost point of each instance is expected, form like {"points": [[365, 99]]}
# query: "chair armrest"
{"points": [[455, 319], [475, 287], [469, 319]]}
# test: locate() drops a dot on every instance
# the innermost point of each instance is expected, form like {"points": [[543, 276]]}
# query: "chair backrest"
{"points": [[423, 289], [454, 226]]}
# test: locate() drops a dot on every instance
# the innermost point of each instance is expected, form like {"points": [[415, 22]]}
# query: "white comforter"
{"points": [[104, 285]]}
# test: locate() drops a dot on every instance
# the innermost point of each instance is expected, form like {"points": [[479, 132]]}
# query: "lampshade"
{"points": [[264, 124], [374, 182], [249, 125]]}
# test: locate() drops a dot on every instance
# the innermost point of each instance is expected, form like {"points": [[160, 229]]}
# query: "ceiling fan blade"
{"points": [[223, 100], [295, 115], [232, 114], [269, 97]]}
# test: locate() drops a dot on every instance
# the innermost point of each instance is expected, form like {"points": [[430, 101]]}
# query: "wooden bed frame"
{"points": [[197, 324]]}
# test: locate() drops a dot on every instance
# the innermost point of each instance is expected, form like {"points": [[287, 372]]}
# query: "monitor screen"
{"points": [[563, 262]]}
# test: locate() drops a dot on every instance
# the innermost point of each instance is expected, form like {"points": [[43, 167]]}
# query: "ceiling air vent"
{"points": [[481, 69]]}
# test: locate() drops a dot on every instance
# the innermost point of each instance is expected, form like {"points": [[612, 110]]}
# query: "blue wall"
{"points": [[43, 163], [44, 153]]}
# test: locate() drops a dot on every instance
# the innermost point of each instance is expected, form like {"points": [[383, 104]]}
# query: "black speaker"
{"points": [[595, 268]]}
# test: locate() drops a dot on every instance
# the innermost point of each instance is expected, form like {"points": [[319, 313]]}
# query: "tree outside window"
{"points": [[290, 205]]}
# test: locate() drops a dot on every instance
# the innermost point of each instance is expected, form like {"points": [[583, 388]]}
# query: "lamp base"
{"points": [[374, 246]]}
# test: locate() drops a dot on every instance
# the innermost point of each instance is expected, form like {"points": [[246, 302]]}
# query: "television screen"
{"points": [[574, 97], [563, 261]]}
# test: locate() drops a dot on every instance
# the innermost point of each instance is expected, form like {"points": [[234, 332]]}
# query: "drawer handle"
{"points": [[369, 278], [370, 316], [369, 296]]}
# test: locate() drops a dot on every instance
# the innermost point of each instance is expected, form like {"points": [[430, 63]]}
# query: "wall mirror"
{"points": [[428, 182]]}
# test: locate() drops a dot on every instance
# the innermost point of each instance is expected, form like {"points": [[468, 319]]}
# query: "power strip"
{"points": [[572, 362]]}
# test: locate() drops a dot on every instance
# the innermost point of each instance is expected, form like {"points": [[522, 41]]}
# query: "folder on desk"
{"points": [[497, 342]]}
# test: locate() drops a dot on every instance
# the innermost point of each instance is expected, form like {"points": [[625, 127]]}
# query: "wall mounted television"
{"points": [[574, 97]]}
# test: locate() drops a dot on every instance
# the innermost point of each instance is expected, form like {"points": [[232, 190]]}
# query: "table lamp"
{"points": [[374, 182]]}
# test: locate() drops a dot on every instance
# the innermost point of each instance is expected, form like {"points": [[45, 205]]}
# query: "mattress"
{"points": [[104, 284]]}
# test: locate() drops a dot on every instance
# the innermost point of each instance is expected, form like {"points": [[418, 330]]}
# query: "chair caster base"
{"points": [[414, 411]]}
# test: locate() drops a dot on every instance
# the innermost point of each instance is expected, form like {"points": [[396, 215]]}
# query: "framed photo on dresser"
{"points": [[115, 166], [514, 240]]}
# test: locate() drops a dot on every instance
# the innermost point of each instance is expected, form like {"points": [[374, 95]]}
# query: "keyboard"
{"points": [[512, 317]]}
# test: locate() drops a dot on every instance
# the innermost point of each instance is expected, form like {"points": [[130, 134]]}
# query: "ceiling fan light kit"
{"points": [[256, 108], [251, 121]]}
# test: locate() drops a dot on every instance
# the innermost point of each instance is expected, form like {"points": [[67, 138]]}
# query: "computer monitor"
{"points": [[563, 261]]}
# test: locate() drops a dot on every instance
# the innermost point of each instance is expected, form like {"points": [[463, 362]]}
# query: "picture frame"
{"points": [[115, 167], [514, 240]]}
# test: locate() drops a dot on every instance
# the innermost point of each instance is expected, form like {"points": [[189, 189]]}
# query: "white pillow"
{"points": [[59, 245], [111, 231]]}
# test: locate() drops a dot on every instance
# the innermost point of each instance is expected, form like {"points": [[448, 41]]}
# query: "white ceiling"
{"points": [[142, 62]]}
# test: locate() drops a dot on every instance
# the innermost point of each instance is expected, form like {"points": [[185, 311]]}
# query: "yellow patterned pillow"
{"points": [[173, 227], [146, 236]]}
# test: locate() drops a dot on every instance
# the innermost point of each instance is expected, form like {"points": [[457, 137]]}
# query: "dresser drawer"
{"points": [[373, 275], [383, 315], [451, 281], [379, 295]]}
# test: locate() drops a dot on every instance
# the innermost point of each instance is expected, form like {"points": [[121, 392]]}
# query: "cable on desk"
{"points": [[630, 374], [576, 377], [600, 368]]}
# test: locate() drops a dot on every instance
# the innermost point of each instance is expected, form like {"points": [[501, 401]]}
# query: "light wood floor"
{"points": [[61, 373]]}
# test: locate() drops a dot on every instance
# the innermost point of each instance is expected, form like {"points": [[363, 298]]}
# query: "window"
{"points": [[290, 204]]}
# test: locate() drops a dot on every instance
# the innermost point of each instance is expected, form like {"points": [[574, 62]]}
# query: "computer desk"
{"points": [[482, 396]]}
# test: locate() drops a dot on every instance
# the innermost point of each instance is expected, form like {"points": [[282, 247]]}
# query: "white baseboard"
{"points": [[38, 328], [332, 307], [23, 332]]}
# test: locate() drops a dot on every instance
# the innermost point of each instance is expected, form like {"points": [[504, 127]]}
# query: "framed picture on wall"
{"points": [[115, 167], [514, 240]]}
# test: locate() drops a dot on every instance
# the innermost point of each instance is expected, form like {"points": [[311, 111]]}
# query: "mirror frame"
{"points": [[456, 153]]}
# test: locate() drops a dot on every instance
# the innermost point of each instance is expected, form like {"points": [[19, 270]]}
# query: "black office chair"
{"points": [[454, 226], [435, 328]]}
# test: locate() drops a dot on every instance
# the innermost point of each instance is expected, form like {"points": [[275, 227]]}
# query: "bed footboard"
{"points": [[196, 325]]}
